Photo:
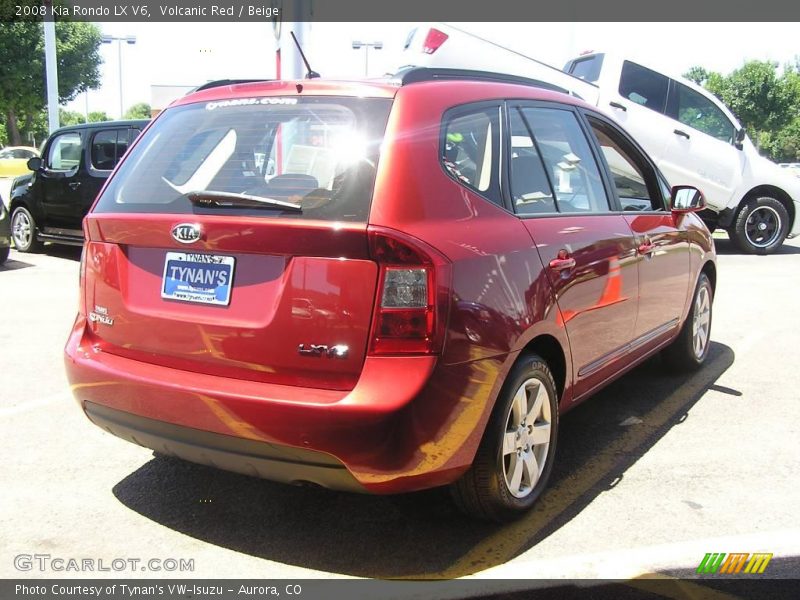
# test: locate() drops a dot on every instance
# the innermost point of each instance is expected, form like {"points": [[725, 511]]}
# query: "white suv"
{"points": [[691, 135]]}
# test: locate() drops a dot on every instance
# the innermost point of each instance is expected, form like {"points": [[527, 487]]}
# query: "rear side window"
{"points": [[531, 190], [643, 86], [470, 149], [108, 146], [587, 68], [569, 161], [64, 153], [319, 153], [697, 111]]}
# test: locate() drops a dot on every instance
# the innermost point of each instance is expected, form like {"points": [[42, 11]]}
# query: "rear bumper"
{"points": [[408, 424], [258, 459]]}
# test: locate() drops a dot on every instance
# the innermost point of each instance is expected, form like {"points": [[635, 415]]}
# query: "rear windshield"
{"points": [[320, 153]]}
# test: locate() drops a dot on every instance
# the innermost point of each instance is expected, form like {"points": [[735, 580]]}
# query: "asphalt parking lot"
{"points": [[652, 473]]}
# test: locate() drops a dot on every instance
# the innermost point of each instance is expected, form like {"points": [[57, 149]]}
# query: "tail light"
{"points": [[413, 295], [433, 41]]}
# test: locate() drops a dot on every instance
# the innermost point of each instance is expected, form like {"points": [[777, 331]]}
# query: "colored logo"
{"points": [[731, 564]]}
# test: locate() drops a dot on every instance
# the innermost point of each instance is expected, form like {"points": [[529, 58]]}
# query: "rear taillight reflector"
{"points": [[433, 41], [405, 288]]}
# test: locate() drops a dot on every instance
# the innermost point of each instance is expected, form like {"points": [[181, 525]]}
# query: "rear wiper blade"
{"points": [[210, 198]]}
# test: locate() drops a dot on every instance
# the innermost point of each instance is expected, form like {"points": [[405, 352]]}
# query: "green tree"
{"points": [[68, 117], [765, 102], [783, 145], [96, 116], [716, 84], [141, 110], [761, 100], [696, 74], [22, 76]]}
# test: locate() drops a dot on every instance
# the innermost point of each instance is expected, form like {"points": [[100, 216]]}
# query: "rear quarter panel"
{"points": [[501, 298]]}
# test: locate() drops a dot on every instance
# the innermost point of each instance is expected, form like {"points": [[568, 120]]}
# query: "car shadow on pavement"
{"points": [[420, 535], [14, 265], [63, 251], [724, 246], [17, 259]]}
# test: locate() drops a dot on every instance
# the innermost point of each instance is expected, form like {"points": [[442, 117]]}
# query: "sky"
{"points": [[192, 53]]}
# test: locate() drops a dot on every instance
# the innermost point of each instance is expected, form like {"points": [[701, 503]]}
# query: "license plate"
{"points": [[200, 278]]}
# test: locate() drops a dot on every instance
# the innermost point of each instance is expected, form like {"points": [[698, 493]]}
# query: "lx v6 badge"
{"points": [[100, 315]]}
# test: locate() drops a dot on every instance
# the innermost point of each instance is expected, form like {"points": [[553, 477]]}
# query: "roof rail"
{"points": [[221, 82], [418, 74]]}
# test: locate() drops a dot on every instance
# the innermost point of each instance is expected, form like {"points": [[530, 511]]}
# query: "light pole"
{"points": [[130, 39], [367, 46], [51, 68]]}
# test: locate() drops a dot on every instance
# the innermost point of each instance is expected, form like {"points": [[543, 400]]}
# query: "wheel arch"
{"points": [[710, 269], [21, 202], [26, 201], [16, 203], [549, 348], [773, 192]]}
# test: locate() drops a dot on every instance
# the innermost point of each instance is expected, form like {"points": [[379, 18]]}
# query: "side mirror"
{"points": [[34, 163], [738, 139], [686, 199]]}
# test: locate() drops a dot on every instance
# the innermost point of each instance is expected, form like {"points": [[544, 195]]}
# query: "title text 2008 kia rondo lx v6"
{"points": [[381, 286]]}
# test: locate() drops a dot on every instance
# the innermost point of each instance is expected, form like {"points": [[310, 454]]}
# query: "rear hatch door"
{"points": [[232, 241]]}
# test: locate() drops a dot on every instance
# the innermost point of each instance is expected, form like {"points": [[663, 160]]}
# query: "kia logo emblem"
{"points": [[186, 233]]}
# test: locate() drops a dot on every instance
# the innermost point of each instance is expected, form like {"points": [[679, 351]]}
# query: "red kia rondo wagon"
{"points": [[381, 286]]}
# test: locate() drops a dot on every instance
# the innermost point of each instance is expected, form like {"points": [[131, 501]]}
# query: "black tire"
{"points": [[483, 491], [4, 255], [24, 242], [761, 226], [682, 354]]}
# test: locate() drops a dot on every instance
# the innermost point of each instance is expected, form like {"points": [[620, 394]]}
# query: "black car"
{"points": [[49, 204]]}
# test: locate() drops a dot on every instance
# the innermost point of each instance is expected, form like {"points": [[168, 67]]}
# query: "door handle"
{"points": [[562, 263], [622, 107], [682, 133], [74, 185]]}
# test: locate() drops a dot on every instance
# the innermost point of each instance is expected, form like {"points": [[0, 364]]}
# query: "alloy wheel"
{"points": [[21, 229], [526, 441], [701, 321], [763, 226]]}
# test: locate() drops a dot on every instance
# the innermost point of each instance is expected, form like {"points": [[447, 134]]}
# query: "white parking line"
{"points": [[630, 563]]}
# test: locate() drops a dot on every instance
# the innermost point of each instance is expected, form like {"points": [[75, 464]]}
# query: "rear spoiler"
{"points": [[222, 82], [410, 75]]}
